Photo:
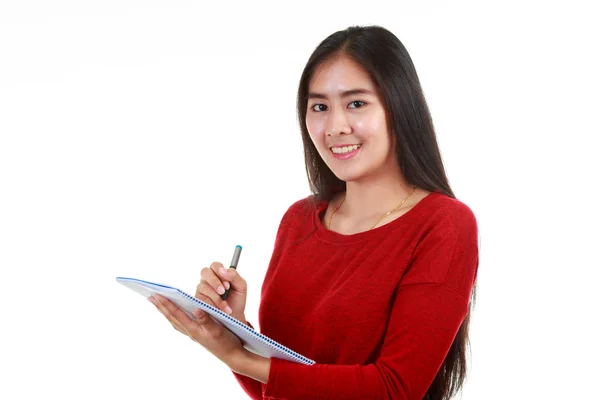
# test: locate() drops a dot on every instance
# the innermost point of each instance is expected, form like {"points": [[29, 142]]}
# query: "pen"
{"points": [[234, 263]]}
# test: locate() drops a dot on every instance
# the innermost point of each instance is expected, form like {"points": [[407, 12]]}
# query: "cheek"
{"points": [[370, 126], [315, 128]]}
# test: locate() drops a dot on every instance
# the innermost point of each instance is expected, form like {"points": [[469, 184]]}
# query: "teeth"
{"points": [[342, 150]]}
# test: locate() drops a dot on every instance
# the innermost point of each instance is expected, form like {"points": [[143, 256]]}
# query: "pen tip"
{"points": [[238, 246]]}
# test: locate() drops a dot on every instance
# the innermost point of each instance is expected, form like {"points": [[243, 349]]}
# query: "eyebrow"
{"points": [[313, 95]]}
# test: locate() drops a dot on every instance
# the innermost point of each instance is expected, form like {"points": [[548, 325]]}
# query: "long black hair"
{"points": [[391, 68]]}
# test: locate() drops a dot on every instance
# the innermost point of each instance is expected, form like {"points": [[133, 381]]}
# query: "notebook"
{"points": [[252, 340]]}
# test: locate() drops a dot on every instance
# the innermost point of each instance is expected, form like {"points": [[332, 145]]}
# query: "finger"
{"points": [[176, 316], [204, 290], [238, 284], [164, 312], [195, 330], [205, 324], [216, 267], [210, 276]]}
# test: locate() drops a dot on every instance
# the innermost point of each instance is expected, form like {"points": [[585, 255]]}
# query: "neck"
{"points": [[375, 197]]}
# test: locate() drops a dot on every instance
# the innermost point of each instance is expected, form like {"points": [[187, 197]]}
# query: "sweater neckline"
{"points": [[381, 231]]}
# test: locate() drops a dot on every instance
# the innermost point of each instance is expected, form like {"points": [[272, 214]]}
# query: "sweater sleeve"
{"points": [[430, 304]]}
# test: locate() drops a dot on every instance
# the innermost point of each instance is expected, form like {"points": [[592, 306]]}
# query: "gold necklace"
{"points": [[382, 217]]}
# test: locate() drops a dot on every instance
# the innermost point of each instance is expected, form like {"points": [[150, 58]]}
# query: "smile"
{"points": [[346, 152], [345, 149]]}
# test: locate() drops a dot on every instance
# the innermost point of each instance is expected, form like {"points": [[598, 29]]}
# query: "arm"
{"points": [[424, 323], [429, 306], [252, 387]]}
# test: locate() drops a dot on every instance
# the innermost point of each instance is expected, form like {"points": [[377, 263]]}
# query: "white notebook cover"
{"points": [[251, 339]]}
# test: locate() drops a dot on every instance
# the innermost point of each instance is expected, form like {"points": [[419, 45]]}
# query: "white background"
{"points": [[148, 138]]}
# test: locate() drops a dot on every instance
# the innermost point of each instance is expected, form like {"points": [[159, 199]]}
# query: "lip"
{"points": [[348, 155]]}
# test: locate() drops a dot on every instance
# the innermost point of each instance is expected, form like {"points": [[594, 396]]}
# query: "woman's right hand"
{"points": [[214, 280]]}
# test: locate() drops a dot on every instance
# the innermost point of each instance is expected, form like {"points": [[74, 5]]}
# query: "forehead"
{"points": [[338, 75]]}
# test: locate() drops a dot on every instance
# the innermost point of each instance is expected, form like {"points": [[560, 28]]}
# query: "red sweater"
{"points": [[376, 310]]}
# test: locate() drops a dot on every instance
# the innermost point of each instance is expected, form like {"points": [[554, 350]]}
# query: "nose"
{"points": [[337, 123]]}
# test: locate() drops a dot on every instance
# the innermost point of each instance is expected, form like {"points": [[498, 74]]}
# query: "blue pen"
{"points": [[234, 263]]}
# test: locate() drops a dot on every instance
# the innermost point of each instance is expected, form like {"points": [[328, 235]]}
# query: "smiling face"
{"points": [[347, 123]]}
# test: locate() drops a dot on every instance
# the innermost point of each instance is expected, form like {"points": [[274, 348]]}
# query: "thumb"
{"points": [[205, 325], [200, 315]]}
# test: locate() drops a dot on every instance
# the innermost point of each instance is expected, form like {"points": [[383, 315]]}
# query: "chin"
{"points": [[348, 176]]}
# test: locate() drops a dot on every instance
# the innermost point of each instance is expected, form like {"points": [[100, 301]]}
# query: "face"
{"points": [[347, 123]]}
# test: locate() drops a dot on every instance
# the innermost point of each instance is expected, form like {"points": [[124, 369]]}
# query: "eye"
{"points": [[357, 103], [319, 107]]}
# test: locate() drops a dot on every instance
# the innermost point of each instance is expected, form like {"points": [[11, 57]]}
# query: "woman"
{"points": [[373, 274]]}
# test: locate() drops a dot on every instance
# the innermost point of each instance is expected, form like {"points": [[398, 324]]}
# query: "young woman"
{"points": [[372, 275]]}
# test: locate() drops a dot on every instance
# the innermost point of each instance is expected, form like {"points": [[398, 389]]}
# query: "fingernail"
{"points": [[226, 285], [223, 271], [220, 290], [228, 310]]}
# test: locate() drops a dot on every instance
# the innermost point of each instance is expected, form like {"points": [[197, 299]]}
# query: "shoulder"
{"points": [[445, 225], [303, 207], [446, 249], [297, 216], [300, 210], [451, 213]]}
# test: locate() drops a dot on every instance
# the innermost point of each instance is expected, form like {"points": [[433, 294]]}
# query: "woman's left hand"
{"points": [[204, 330]]}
